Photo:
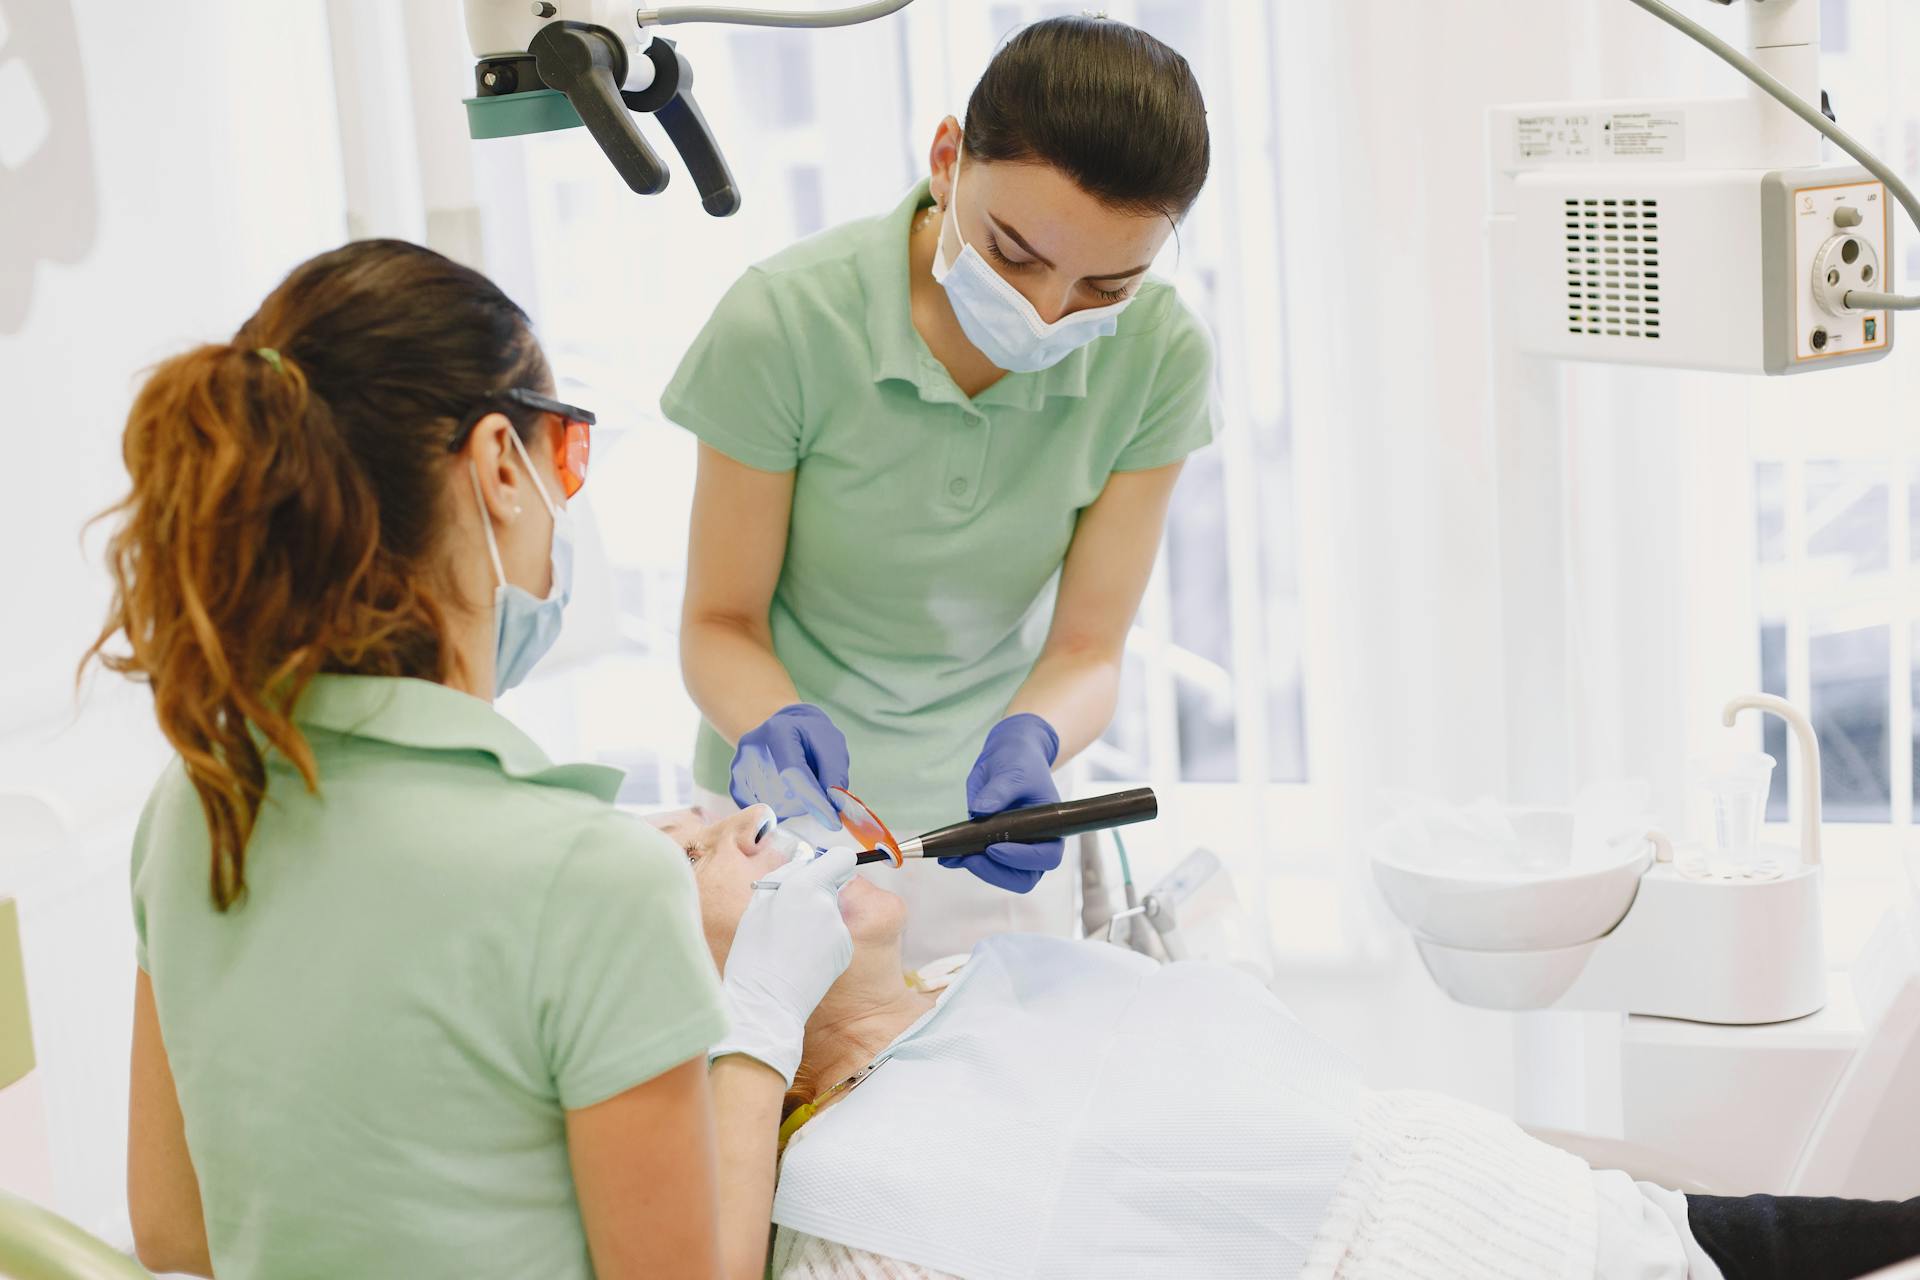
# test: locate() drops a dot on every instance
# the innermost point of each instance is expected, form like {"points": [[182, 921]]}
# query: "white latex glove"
{"points": [[789, 947]]}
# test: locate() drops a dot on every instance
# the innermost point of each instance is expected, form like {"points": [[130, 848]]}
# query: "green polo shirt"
{"points": [[449, 947], [928, 528]]}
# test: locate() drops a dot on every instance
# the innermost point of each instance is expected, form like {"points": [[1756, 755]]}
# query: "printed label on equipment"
{"points": [[1644, 135], [1554, 137], [1637, 136]]}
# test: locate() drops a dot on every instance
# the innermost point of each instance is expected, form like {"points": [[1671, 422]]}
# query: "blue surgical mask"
{"points": [[998, 319], [524, 628]]}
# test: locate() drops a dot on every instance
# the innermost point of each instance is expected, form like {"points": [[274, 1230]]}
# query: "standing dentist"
{"points": [[937, 449]]}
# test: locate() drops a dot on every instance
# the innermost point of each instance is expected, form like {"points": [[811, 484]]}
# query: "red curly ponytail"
{"points": [[285, 507]]}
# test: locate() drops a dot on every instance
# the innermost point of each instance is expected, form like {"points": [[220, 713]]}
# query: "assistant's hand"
{"points": [[787, 763], [789, 947], [1015, 769]]}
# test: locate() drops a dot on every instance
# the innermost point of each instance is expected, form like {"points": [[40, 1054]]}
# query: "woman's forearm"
{"points": [[1075, 690], [733, 674], [746, 1101], [1075, 685], [163, 1191]]}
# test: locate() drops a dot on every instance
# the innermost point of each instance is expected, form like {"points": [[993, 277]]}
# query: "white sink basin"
{"points": [[1484, 908]]}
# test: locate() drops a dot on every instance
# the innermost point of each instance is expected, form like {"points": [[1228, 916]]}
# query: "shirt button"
{"points": [[957, 488]]}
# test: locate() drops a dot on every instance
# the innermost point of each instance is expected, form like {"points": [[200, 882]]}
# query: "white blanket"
{"points": [[1073, 1109], [1435, 1190]]}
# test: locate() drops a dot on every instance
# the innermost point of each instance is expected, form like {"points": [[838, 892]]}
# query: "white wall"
{"points": [[207, 166], [173, 161]]}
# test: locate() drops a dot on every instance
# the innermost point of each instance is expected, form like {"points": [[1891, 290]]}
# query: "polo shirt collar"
{"points": [[898, 350], [432, 717]]}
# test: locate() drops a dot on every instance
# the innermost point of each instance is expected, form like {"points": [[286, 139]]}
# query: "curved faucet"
{"points": [[1809, 761]]}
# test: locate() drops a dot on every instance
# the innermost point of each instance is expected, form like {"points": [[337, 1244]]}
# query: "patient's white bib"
{"points": [[1073, 1109]]}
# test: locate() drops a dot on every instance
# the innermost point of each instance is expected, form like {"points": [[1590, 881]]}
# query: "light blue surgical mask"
{"points": [[524, 628], [998, 319]]}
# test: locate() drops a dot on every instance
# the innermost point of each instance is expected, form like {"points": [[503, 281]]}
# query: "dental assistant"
{"points": [[412, 1000], [937, 449]]}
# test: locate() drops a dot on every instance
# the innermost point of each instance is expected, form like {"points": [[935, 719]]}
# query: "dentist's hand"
{"points": [[788, 762], [789, 947], [1015, 769]]}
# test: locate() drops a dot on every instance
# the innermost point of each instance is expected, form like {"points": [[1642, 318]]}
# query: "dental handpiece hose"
{"points": [[1027, 826]]}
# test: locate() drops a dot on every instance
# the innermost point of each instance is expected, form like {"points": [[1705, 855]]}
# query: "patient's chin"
{"points": [[872, 914]]}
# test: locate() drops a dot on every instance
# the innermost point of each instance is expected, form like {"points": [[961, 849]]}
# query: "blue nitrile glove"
{"points": [[789, 947], [789, 761], [1015, 769]]}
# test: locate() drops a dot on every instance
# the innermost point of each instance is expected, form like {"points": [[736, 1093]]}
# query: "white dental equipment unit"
{"points": [[1699, 233], [1694, 234], [1716, 959], [1729, 937], [1194, 914]]}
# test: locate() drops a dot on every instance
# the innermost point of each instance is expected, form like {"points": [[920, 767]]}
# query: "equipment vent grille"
{"points": [[1613, 266]]}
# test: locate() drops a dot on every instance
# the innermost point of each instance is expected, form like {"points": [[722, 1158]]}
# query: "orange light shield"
{"points": [[863, 824]]}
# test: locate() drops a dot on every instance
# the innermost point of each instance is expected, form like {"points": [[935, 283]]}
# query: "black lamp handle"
{"points": [[1040, 822], [588, 64], [670, 99]]}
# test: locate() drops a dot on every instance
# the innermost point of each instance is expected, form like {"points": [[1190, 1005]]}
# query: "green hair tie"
{"points": [[272, 357]]}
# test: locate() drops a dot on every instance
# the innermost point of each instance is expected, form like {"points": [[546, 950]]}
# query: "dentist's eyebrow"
{"points": [[1020, 240], [1041, 258]]}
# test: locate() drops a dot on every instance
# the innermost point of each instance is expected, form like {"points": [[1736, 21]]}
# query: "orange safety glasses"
{"points": [[572, 446]]}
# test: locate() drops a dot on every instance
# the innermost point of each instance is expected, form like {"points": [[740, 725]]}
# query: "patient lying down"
{"points": [[1071, 1108]]}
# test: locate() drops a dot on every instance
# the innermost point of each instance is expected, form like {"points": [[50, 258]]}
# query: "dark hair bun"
{"points": [[1105, 103]]}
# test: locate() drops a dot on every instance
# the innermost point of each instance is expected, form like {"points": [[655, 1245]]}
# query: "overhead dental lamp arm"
{"points": [[1810, 113], [1809, 761], [847, 16]]}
